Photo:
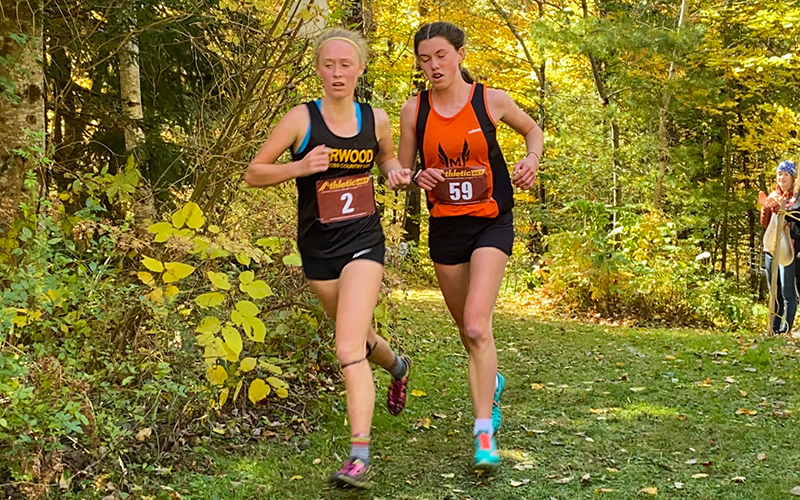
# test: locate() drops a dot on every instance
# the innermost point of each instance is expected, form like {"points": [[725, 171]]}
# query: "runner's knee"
{"points": [[476, 334], [347, 353]]}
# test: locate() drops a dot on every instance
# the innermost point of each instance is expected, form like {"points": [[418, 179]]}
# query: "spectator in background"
{"points": [[786, 294]]}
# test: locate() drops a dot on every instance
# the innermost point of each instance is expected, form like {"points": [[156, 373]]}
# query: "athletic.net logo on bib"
{"points": [[345, 198], [462, 185]]}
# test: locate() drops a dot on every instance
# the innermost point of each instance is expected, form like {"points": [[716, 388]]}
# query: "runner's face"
{"points": [[785, 181], [440, 61], [339, 66]]}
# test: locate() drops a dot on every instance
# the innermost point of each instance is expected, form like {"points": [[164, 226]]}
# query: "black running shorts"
{"points": [[331, 268], [453, 239]]}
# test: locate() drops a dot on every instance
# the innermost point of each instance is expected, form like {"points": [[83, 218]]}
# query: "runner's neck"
{"points": [[339, 115], [449, 101]]}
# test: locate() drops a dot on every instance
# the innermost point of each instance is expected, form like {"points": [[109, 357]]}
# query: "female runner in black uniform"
{"points": [[469, 189], [334, 143]]}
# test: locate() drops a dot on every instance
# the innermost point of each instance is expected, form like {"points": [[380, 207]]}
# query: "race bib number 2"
{"points": [[462, 186], [345, 198]]}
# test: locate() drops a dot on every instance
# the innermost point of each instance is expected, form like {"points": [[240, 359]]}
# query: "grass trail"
{"points": [[589, 412]]}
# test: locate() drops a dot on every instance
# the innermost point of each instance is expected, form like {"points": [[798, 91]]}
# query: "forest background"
{"points": [[144, 288]]}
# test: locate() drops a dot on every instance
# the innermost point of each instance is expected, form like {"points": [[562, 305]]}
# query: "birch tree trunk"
{"points": [[131, 96], [21, 100]]}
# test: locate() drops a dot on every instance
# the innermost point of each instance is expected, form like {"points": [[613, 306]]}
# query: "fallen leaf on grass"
{"points": [[424, 423], [704, 383], [524, 466], [652, 490], [295, 478], [637, 389], [612, 469], [745, 411], [670, 357], [743, 393], [699, 476], [597, 411], [143, 434], [537, 387], [761, 456], [678, 485], [603, 490], [738, 479], [691, 461], [448, 476], [586, 477], [795, 491], [564, 480], [417, 393], [440, 416], [520, 483]]}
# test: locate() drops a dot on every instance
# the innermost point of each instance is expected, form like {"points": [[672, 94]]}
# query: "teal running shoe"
{"points": [[487, 458], [497, 417]]}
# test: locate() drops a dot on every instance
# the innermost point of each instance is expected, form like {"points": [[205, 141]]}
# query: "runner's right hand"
{"points": [[429, 178], [317, 160]]}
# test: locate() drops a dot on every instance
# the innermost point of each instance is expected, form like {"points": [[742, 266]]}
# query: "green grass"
{"points": [[586, 407]]}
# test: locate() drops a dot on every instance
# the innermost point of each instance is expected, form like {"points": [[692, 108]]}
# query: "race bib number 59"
{"points": [[345, 198], [462, 186]]}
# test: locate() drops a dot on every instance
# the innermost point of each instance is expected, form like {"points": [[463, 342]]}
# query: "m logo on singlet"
{"points": [[460, 161]]}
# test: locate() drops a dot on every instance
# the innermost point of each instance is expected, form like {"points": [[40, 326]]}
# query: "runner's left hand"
{"points": [[525, 171]]}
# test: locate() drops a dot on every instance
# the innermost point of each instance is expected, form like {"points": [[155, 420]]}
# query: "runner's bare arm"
{"points": [[289, 132], [397, 177], [503, 108], [407, 149]]}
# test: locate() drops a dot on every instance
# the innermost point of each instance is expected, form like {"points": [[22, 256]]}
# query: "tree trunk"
{"points": [[131, 94], [663, 142], [21, 101], [726, 177], [603, 94], [144, 209]]}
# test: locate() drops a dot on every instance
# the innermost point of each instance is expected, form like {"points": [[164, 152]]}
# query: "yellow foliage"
{"points": [[217, 375], [233, 340], [248, 364], [191, 215], [212, 299], [176, 271], [258, 390], [152, 264], [219, 280]]}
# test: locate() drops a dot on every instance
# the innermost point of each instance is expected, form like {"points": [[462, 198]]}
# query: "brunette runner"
{"points": [[469, 190], [334, 143]]}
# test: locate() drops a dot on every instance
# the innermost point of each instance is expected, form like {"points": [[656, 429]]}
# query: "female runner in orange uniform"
{"points": [[470, 196]]}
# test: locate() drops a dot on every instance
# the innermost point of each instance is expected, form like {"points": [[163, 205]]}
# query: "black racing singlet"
{"points": [[349, 156]]}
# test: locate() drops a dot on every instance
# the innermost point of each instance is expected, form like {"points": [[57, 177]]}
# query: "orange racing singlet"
{"points": [[464, 146]]}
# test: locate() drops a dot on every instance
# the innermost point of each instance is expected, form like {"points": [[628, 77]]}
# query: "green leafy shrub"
{"points": [[641, 270]]}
